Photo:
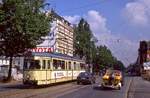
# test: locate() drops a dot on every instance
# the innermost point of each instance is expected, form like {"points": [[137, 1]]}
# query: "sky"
{"points": [[118, 24]]}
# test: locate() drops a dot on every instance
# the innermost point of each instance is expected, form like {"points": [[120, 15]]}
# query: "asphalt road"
{"points": [[68, 90], [95, 91]]}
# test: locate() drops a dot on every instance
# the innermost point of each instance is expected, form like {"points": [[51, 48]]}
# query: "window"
{"points": [[69, 66], [59, 64], [82, 66], [55, 64], [35, 64], [66, 65], [44, 64], [75, 67], [63, 64], [48, 64], [78, 66]]}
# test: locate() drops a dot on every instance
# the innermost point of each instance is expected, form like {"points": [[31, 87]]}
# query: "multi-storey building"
{"points": [[60, 39], [144, 52]]}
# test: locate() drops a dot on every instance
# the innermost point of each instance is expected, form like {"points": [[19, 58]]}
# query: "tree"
{"points": [[84, 44], [83, 41], [105, 59], [105, 56], [118, 65], [22, 26]]}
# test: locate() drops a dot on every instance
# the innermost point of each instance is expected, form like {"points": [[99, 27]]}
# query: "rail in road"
{"points": [[69, 90]]}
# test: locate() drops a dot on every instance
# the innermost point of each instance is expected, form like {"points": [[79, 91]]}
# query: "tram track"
{"points": [[55, 93], [26, 93]]}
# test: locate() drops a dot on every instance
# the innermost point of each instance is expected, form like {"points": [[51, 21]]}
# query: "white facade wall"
{"points": [[18, 61], [60, 38]]}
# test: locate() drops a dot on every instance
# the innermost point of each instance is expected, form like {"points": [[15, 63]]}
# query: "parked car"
{"points": [[86, 77], [113, 79]]}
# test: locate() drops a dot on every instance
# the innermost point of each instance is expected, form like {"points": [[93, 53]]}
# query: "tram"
{"points": [[48, 68]]}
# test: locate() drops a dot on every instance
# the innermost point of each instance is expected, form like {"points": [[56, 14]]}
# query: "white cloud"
{"points": [[122, 48], [138, 12], [97, 21], [73, 19]]}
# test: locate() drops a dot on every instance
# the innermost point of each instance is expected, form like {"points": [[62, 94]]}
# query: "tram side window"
{"points": [[55, 64], [78, 66], [75, 66], [44, 64], [48, 64], [66, 65], [35, 64], [82, 66], [59, 64], [69, 66], [62, 64]]}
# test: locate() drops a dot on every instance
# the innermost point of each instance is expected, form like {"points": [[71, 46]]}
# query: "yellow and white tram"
{"points": [[47, 68]]}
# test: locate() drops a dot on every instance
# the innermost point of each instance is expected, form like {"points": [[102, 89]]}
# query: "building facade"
{"points": [[144, 52], [60, 38]]}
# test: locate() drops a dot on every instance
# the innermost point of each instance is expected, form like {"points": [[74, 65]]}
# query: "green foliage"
{"points": [[118, 65], [22, 26], [83, 42], [105, 56]]}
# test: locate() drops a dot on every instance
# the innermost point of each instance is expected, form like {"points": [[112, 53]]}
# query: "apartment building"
{"points": [[144, 52], [60, 39]]}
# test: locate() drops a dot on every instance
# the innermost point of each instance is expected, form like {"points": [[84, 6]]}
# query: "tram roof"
{"points": [[56, 55]]}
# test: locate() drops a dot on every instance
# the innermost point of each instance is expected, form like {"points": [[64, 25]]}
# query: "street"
{"points": [[72, 90]]}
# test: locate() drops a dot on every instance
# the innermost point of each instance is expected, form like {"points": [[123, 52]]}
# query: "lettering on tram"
{"points": [[47, 68]]}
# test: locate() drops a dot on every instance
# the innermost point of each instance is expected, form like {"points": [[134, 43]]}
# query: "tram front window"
{"points": [[35, 64]]}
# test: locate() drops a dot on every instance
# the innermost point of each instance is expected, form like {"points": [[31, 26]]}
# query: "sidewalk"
{"points": [[10, 83], [139, 88]]}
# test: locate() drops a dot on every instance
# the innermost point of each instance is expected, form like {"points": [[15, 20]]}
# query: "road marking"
{"points": [[128, 88]]}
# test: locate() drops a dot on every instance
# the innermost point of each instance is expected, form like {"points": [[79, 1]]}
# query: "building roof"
{"points": [[55, 15]]}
